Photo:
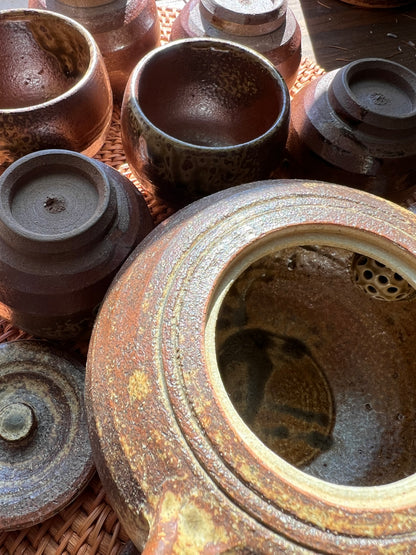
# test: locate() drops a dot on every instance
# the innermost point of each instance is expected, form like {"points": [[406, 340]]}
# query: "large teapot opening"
{"points": [[315, 346]]}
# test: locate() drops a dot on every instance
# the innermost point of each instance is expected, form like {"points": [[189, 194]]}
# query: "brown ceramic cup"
{"points": [[356, 126], [200, 115], [268, 27], [54, 87], [125, 30], [67, 224]]}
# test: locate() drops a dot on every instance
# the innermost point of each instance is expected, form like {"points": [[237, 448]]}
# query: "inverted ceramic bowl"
{"points": [[200, 115], [67, 224], [357, 126], [54, 87]]}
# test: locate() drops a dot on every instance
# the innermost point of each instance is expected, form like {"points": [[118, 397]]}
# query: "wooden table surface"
{"points": [[334, 32]]}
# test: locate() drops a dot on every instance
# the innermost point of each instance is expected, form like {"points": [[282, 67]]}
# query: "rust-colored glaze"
{"points": [[222, 120], [201, 439], [54, 87], [268, 27], [124, 31], [357, 126], [45, 453], [68, 223]]}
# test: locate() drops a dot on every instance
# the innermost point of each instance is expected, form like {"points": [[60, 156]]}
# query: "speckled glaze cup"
{"points": [[268, 27], [125, 30], [200, 115], [54, 87]]}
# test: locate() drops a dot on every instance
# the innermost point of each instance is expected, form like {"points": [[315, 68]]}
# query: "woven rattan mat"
{"points": [[89, 525]]}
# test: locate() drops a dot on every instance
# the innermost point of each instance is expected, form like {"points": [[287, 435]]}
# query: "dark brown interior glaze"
{"points": [[40, 59], [209, 96], [322, 372]]}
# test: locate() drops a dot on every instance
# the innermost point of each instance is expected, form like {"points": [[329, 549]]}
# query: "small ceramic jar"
{"points": [[357, 126], [268, 27], [54, 87], [125, 30], [67, 224], [282, 391]]}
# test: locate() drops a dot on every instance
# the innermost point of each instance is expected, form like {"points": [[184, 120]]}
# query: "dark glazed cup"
{"points": [[125, 30], [269, 28], [54, 87], [357, 126], [200, 115], [67, 223]]}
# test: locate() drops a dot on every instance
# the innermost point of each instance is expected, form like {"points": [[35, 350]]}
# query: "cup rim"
{"points": [[14, 13], [132, 89]]}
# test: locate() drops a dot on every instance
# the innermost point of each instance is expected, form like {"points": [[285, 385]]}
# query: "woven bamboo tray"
{"points": [[89, 525]]}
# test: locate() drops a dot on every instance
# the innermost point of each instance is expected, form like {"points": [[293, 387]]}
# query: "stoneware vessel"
{"points": [[357, 126], [125, 30], [54, 87], [268, 27], [258, 397], [221, 121], [67, 224], [45, 453]]}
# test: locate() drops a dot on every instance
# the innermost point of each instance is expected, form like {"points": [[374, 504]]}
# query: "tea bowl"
{"points": [[202, 114], [125, 30], [356, 126], [67, 224], [54, 87], [270, 28]]}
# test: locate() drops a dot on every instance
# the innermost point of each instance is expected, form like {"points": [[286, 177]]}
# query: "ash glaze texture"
{"points": [[201, 467], [221, 122], [54, 88], [44, 471]]}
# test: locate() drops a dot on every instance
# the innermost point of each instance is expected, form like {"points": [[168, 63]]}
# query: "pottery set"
{"points": [[67, 223], [250, 372], [281, 383], [270, 28], [124, 30], [54, 87], [222, 121], [357, 126]]}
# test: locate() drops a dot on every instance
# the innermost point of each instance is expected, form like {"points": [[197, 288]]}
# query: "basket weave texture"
{"points": [[89, 525]]}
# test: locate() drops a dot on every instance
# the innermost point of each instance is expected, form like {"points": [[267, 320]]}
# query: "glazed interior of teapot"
{"points": [[316, 350]]}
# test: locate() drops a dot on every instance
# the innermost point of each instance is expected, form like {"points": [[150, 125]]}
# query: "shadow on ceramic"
{"points": [[200, 115], [54, 87], [357, 126], [125, 30], [278, 363], [67, 225], [271, 30]]}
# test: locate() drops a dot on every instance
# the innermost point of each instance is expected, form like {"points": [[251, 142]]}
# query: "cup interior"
{"points": [[209, 94], [320, 366], [42, 56]]}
